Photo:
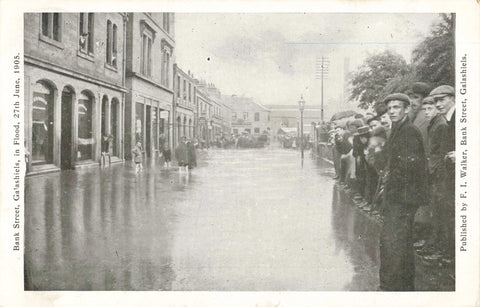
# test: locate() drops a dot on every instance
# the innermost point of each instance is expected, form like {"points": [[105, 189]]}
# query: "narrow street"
{"points": [[243, 220]]}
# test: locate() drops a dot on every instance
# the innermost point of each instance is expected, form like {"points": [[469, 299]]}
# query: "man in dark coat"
{"points": [[405, 190], [444, 97], [435, 151]]}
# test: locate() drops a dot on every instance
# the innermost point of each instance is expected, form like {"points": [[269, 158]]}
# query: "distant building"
{"points": [[247, 116], [74, 88], [184, 107], [149, 76], [288, 116], [212, 112]]}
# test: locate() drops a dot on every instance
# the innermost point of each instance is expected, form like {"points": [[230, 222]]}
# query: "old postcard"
{"points": [[239, 154]]}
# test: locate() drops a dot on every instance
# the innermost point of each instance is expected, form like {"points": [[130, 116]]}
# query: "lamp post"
{"points": [[301, 106]]}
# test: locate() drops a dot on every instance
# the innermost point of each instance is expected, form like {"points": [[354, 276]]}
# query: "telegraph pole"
{"points": [[321, 73]]}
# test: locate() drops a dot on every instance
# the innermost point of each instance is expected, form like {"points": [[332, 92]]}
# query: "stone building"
{"points": [[74, 88], [248, 116], [184, 107], [203, 113], [288, 116], [150, 57]]}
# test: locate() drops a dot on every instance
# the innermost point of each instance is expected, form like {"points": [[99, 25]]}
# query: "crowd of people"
{"points": [[395, 160]]}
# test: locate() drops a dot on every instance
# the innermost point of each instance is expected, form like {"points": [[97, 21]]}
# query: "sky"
{"points": [[272, 57]]}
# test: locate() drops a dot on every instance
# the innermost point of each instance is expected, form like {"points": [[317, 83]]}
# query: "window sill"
{"points": [[84, 55], [111, 67], [51, 41]]}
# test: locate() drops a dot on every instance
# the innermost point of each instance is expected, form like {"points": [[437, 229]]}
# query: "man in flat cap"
{"points": [[405, 190], [444, 97], [435, 152]]}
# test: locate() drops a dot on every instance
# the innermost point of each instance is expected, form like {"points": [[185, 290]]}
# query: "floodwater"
{"points": [[243, 220]]}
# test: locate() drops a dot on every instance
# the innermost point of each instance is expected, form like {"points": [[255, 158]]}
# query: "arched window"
{"points": [[42, 123], [85, 126]]}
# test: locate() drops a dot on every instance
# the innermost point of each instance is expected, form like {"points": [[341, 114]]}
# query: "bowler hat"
{"points": [[442, 91], [363, 130], [396, 96], [357, 123], [380, 132], [380, 109], [428, 100]]}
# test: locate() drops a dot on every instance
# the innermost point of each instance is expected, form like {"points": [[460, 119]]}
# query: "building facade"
{"points": [[74, 88], [288, 116], [247, 116], [184, 107], [203, 113], [150, 57]]}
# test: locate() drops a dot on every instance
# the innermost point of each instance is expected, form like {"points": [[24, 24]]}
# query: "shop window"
{"points": [[42, 124], [51, 26], [85, 127]]}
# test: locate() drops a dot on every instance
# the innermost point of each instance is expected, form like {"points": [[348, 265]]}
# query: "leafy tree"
{"points": [[369, 81], [433, 59]]}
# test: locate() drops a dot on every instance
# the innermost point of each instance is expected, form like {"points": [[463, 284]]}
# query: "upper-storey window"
{"points": [[167, 50], [184, 89], [166, 22], [86, 32], [178, 86], [146, 57], [111, 51], [190, 92], [51, 26]]}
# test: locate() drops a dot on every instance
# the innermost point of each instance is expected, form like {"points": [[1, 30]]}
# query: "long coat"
{"points": [[405, 190], [181, 154], [437, 145], [406, 166]]}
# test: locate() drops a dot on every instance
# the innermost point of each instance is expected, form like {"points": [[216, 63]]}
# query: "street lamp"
{"points": [[301, 106]]}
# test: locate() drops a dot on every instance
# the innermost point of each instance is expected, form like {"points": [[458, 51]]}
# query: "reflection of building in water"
{"points": [[73, 88]]}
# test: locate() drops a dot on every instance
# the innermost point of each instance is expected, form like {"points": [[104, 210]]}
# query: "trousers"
{"points": [[397, 261]]}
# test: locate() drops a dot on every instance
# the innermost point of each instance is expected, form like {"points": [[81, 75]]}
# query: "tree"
{"points": [[370, 80], [433, 59]]}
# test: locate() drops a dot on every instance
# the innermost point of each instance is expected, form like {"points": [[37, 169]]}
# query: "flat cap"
{"points": [[442, 90], [420, 88], [396, 96], [428, 100]]}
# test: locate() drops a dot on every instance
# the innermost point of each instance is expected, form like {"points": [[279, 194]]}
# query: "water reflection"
{"points": [[243, 220]]}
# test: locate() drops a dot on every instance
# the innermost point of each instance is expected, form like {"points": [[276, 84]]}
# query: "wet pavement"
{"points": [[243, 220]]}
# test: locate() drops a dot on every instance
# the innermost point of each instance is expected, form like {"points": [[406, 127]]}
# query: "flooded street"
{"points": [[243, 220]]}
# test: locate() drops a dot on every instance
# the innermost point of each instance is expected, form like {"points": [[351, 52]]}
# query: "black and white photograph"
{"points": [[197, 152], [175, 151]]}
